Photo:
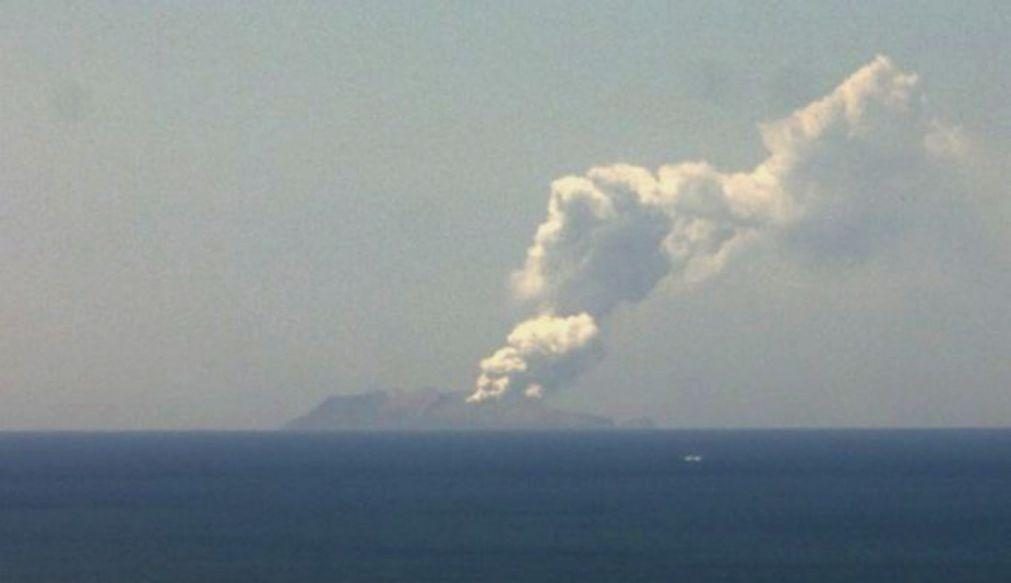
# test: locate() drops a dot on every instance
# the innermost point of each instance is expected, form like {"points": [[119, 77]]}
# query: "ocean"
{"points": [[817, 506]]}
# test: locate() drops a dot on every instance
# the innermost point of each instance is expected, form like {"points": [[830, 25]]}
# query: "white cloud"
{"points": [[841, 177], [539, 354]]}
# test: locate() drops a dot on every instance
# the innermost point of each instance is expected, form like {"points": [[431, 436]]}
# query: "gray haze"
{"points": [[216, 214]]}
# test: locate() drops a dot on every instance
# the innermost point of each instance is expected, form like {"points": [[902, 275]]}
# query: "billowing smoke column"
{"points": [[836, 182]]}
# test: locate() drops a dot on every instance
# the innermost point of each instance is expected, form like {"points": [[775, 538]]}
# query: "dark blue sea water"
{"points": [[861, 506]]}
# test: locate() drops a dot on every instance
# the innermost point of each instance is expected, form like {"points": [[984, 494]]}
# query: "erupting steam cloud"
{"points": [[839, 175]]}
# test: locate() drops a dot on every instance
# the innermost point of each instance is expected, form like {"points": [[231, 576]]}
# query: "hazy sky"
{"points": [[214, 214]]}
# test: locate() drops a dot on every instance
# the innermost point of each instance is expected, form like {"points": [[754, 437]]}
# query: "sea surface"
{"points": [[818, 506]]}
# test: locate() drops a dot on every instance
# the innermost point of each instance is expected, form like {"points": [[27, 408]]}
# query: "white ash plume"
{"points": [[839, 175]]}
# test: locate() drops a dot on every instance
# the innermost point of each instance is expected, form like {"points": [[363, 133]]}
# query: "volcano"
{"points": [[432, 409]]}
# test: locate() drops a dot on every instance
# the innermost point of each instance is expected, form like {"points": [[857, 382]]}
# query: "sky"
{"points": [[214, 215]]}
